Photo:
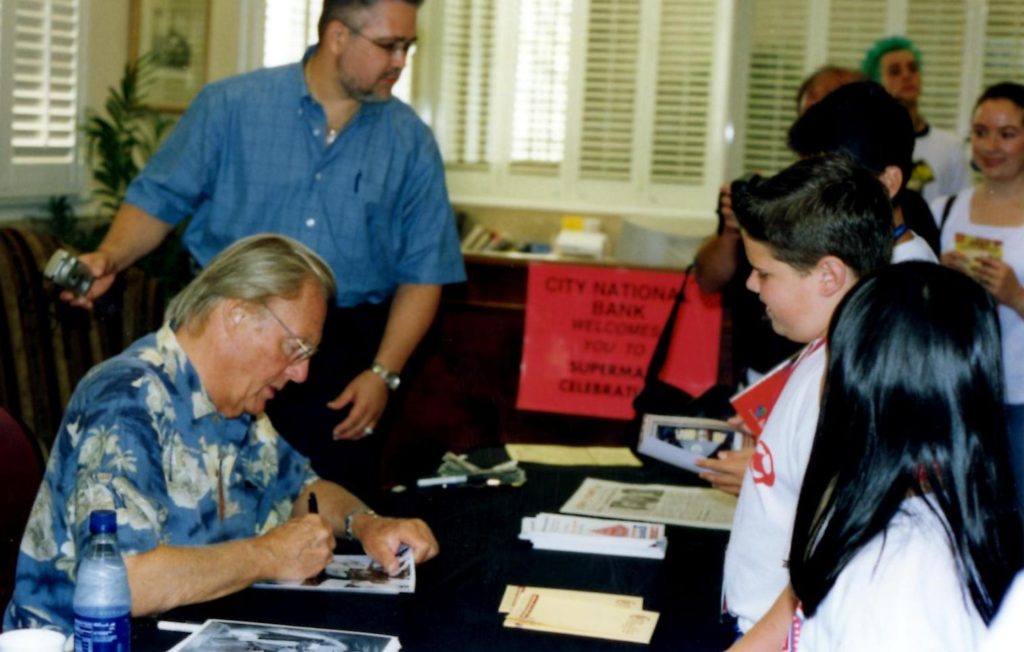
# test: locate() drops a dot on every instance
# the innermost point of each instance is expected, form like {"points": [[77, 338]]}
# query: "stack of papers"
{"points": [[579, 613], [595, 535]]}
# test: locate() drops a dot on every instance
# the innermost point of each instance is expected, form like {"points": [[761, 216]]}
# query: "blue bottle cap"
{"points": [[103, 520]]}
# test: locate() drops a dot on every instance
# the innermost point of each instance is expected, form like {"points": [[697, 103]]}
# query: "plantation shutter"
{"points": [[937, 28], [683, 89], [610, 91], [777, 58], [1003, 55], [289, 27], [39, 57], [464, 109], [853, 26], [541, 86]]}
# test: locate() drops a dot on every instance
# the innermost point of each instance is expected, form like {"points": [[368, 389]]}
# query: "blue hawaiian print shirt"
{"points": [[249, 156], [141, 436]]}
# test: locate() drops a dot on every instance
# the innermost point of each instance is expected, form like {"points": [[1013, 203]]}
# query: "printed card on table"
{"points": [[595, 535]]}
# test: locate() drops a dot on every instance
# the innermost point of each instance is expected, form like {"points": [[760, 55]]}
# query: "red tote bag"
{"points": [[691, 361]]}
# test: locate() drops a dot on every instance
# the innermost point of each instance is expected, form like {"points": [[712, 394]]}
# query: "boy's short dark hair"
{"points": [[862, 121], [819, 206]]}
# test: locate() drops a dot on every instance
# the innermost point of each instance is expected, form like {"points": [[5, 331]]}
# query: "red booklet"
{"points": [[755, 403]]}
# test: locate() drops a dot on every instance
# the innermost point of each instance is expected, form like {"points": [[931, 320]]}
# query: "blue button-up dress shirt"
{"points": [[250, 156]]}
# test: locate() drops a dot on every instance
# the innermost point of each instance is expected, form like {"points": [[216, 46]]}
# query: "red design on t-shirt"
{"points": [[762, 466], [792, 643]]}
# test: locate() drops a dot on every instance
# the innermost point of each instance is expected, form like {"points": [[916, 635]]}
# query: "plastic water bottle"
{"points": [[102, 601]]}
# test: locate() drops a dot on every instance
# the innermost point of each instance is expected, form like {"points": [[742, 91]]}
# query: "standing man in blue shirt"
{"points": [[320, 151]]}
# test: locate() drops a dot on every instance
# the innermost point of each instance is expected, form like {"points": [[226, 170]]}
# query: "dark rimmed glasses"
{"points": [[393, 47]]}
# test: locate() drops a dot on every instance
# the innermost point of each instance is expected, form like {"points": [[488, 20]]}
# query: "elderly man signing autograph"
{"points": [[172, 434]]}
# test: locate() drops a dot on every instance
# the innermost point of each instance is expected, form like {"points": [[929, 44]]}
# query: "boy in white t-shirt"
{"points": [[810, 233]]}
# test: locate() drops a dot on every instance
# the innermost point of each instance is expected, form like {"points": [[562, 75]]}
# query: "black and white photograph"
{"points": [[358, 573], [236, 636]]}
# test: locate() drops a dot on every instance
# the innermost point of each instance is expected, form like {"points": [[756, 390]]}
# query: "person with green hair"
{"points": [[939, 165]]}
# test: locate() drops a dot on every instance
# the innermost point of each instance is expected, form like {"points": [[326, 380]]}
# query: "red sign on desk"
{"points": [[590, 332]]}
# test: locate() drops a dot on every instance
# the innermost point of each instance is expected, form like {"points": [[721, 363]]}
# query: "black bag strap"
{"points": [[945, 212], [665, 339]]}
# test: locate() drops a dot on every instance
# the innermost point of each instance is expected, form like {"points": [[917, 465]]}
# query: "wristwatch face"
{"points": [[390, 378]]}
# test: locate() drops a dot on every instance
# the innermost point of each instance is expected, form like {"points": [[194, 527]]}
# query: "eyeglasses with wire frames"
{"points": [[295, 348], [393, 47]]}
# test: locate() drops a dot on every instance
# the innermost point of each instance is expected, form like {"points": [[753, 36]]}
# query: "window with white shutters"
{"points": [[464, 108], [937, 29], [853, 26], [582, 105], [777, 66], [627, 104], [540, 98], [609, 89], [682, 96], [793, 37], [39, 59], [289, 27], [1003, 53]]}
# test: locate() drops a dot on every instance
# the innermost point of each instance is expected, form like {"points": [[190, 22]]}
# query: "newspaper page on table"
{"points": [[238, 635], [688, 506]]}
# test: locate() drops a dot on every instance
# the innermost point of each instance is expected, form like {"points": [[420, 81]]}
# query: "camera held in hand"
{"points": [[68, 272], [744, 183]]}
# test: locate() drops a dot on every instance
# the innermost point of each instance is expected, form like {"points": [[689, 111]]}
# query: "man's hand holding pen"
{"points": [[299, 548], [380, 536]]}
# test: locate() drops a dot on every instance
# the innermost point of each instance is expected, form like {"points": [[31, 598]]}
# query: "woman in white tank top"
{"points": [[983, 236]]}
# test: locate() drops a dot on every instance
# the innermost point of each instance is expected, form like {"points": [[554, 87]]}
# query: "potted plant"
{"points": [[118, 142]]}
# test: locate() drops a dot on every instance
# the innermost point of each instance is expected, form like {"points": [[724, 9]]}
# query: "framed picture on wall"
{"points": [[174, 33]]}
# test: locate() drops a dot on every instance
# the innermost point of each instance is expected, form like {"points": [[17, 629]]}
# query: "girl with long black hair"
{"points": [[906, 534]]}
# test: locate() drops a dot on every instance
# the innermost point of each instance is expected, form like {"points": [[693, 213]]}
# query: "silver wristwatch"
{"points": [[351, 516], [390, 378]]}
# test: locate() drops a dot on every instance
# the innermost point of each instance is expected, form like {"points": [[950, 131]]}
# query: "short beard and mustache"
{"points": [[368, 94]]}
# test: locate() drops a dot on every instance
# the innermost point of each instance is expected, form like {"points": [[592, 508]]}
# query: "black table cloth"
{"points": [[455, 606]]}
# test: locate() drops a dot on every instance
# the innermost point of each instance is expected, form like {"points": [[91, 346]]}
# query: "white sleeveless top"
{"points": [[1012, 324]]}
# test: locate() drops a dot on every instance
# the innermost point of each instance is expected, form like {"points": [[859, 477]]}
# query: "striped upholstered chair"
{"points": [[47, 346]]}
